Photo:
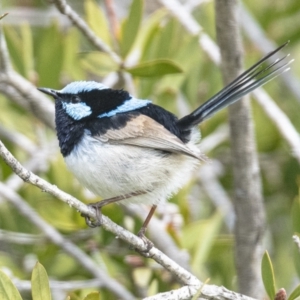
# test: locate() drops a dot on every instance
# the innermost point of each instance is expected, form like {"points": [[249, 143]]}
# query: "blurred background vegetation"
{"points": [[168, 66]]}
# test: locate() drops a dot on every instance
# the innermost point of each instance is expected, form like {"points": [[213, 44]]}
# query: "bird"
{"points": [[129, 150]]}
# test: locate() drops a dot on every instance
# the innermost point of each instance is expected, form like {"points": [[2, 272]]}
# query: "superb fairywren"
{"points": [[130, 150]]}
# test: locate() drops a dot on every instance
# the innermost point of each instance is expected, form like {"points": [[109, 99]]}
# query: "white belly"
{"points": [[112, 170]]}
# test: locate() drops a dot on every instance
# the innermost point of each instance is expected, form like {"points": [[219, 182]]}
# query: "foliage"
{"points": [[39, 283], [268, 277], [170, 68], [7, 289]]}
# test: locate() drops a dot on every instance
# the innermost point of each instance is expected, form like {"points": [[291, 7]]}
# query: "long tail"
{"points": [[248, 81]]}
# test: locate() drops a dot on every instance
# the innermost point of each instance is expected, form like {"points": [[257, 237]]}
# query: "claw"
{"points": [[98, 220], [98, 205], [147, 242]]}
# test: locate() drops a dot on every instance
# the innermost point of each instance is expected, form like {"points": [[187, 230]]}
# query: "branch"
{"points": [[22, 91], [255, 33], [38, 104], [66, 9], [20, 238], [38, 162], [5, 65], [248, 199], [112, 18], [69, 247], [18, 139], [213, 188], [207, 292], [193, 284], [160, 237], [25, 94], [194, 28], [28, 176], [25, 285], [29, 238], [258, 37], [123, 234], [281, 121]]}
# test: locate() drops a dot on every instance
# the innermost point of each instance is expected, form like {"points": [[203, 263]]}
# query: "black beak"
{"points": [[50, 92]]}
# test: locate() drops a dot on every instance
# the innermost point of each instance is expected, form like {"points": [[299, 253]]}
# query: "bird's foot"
{"points": [[93, 223], [147, 242], [98, 205]]}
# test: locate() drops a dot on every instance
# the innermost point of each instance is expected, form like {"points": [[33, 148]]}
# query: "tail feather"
{"points": [[255, 76]]}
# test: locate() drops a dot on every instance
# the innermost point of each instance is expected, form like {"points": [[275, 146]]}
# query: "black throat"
{"points": [[69, 131]]}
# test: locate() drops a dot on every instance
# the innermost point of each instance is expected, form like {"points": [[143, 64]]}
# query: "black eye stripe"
{"points": [[75, 99]]}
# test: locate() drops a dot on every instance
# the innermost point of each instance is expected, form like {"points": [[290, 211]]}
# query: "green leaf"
{"points": [[27, 50], [92, 296], [155, 68], [149, 29], [71, 66], [49, 56], [131, 26], [206, 232], [40, 283], [197, 295], [268, 275], [295, 293], [296, 257], [14, 44], [98, 63], [7, 289], [167, 39], [96, 20], [188, 57], [296, 214]]}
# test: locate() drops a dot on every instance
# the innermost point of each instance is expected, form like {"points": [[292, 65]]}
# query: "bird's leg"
{"points": [[98, 221], [142, 231], [98, 206]]}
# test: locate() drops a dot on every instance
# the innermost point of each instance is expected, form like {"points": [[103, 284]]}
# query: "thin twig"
{"points": [[21, 238], [281, 121], [25, 94], [183, 275], [214, 189], [38, 162], [207, 292], [3, 16], [54, 236], [160, 237], [123, 234], [18, 139], [112, 17], [256, 34], [5, 65], [193, 284], [29, 239], [66, 9], [194, 28], [192, 4], [25, 285]]}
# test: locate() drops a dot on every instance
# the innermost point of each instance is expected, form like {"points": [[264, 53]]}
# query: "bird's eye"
{"points": [[75, 99]]}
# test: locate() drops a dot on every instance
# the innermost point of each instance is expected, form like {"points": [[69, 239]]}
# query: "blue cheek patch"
{"points": [[129, 105], [77, 111]]}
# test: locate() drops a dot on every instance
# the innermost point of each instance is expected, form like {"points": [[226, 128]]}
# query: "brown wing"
{"points": [[143, 131]]}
